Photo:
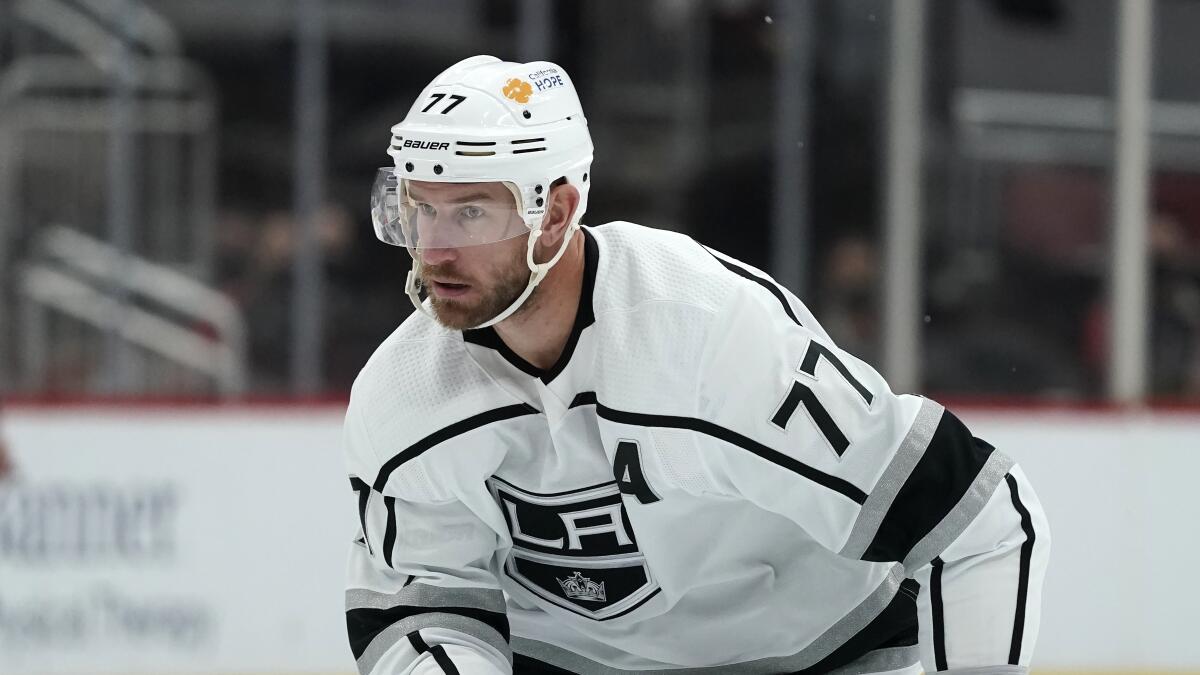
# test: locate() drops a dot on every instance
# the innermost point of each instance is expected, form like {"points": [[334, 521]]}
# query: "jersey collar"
{"points": [[584, 317]]}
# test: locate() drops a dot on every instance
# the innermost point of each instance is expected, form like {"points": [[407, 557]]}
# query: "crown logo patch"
{"points": [[579, 587]]}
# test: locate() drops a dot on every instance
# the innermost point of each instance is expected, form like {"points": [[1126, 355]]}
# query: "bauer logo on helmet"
{"points": [[425, 145]]}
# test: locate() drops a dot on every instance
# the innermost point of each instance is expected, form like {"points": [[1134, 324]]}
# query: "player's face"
{"points": [[469, 285]]}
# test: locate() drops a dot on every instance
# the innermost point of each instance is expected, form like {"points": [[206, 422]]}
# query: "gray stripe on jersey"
{"points": [[911, 450], [424, 595], [882, 660], [988, 670], [456, 622], [823, 646], [965, 511]]}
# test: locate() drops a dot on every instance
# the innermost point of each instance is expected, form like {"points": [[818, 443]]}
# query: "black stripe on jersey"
{"points": [[488, 337], [439, 652], [583, 398], [364, 624], [364, 495], [443, 435], [938, 618], [389, 534], [443, 660], [939, 480], [1014, 653], [771, 286], [418, 643], [527, 665], [895, 626], [839, 485]]}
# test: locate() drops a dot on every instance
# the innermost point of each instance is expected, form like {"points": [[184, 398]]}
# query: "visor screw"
{"points": [[408, 167], [437, 168], [538, 189], [585, 176], [526, 114], [540, 201]]}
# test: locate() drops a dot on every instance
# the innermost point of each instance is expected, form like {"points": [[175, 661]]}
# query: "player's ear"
{"points": [[560, 210]]}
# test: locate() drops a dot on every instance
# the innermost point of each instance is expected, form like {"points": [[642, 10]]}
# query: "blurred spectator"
{"points": [[255, 263], [1175, 311], [1175, 324], [6, 464], [848, 296], [980, 339]]}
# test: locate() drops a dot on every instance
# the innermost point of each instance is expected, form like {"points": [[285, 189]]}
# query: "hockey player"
{"points": [[612, 450]]}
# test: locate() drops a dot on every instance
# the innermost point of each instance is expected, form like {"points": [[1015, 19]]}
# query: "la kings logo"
{"points": [[575, 549]]}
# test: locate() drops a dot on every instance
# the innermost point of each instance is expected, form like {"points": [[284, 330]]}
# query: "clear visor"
{"points": [[418, 214]]}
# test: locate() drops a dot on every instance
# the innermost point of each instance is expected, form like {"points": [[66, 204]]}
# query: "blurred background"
{"points": [[994, 202], [183, 185]]}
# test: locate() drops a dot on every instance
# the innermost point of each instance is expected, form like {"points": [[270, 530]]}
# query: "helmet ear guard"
{"points": [[484, 120]]}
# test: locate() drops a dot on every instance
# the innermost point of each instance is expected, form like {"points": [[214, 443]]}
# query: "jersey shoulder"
{"points": [[641, 265], [660, 299], [419, 382]]}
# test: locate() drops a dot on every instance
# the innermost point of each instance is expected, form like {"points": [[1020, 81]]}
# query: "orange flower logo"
{"points": [[518, 90]]}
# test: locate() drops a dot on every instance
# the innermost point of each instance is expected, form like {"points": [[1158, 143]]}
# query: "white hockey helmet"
{"points": [[486, 120]]}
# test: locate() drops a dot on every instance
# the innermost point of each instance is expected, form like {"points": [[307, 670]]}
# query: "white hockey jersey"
{"points": [[703, 483]]}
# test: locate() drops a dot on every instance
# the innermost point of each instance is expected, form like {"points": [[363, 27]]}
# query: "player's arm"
{"points": [[821, 439], [420, 598]]}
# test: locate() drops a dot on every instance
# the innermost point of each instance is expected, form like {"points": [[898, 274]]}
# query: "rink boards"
{"points": [[188, 539]]}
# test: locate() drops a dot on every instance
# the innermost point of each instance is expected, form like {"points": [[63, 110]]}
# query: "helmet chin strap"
{"points": [[537, 272]]}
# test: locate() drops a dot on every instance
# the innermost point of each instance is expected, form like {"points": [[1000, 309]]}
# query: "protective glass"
{"points": [[454, 216]]}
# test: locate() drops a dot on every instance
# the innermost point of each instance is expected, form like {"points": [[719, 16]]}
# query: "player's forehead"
{"points": [[459, 192]]}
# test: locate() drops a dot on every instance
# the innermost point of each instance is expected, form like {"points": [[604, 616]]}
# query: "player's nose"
{"points": [[438, 256]]}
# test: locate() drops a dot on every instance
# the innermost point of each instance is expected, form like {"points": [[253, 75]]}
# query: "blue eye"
{"points": [[426, 210], [472, 212]]}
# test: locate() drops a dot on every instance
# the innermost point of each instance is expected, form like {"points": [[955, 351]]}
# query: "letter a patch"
{"points": [[627, 468]]}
